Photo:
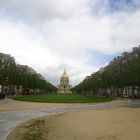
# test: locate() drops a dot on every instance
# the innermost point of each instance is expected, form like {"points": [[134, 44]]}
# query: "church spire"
{"points": [[64, 73]]}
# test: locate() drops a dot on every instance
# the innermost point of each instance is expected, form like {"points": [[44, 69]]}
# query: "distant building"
{"points": [[64, 86], [136, 49]]}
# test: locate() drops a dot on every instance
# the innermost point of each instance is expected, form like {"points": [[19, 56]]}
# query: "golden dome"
{"points": [[64, 74]]}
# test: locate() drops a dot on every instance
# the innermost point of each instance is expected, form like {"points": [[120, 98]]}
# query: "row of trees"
{"points": [[122, 72], [12, 74], [33, 81]]}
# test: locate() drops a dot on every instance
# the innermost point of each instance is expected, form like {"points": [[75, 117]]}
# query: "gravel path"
{"points": [[10, 119]]}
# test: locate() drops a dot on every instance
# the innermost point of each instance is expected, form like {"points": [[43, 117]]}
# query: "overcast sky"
{"points": [[79, 35]]}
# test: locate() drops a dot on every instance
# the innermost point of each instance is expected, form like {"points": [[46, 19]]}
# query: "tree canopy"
{"points": [[122, 71]]}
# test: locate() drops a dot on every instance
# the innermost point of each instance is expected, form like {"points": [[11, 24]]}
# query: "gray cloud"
{"points": [[52, 34], [40, 10]]}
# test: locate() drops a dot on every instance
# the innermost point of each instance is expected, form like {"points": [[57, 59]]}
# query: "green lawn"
{"points": [[62, 98]]}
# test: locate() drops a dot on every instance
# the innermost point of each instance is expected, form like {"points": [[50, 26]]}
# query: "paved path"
{"points": [[10, 119]]}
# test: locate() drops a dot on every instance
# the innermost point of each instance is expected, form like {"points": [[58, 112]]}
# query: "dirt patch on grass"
{"points": [[30, 130], [109, 124]]}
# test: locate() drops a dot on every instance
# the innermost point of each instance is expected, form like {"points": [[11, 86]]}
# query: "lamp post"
{"points": [[0, 85]]}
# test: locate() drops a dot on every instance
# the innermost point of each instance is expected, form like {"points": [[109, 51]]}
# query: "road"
{"points": [[10, 119]]}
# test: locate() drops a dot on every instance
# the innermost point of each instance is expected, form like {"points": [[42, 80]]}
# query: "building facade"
{"points": [[64, 86]]}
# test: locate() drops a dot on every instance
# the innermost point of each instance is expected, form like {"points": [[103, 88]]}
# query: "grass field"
{"points": [[62, 98]]}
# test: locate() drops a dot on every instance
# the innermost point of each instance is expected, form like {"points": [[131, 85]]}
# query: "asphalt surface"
{"points": [[10, 119]]}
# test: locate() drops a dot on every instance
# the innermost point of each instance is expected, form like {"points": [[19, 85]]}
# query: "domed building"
{"points": [[64, 86]]}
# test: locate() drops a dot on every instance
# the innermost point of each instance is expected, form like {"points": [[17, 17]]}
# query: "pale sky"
{"points": [[79, 35]]}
